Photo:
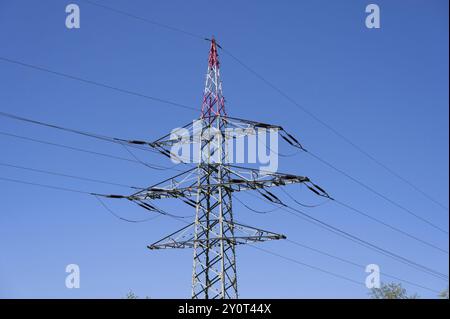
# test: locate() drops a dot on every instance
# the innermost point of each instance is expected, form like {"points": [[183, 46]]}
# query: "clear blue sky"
{"points": [[386, 89]]}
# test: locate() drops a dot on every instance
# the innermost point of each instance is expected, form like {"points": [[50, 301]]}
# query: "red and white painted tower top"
{"points": [[213, 101], [213, 55]]}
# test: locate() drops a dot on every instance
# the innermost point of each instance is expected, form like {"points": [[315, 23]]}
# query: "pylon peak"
{"points": [[213, 101], [213, 55]]}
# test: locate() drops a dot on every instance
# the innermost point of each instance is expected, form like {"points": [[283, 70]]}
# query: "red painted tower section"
{"points": [[213, 104]]}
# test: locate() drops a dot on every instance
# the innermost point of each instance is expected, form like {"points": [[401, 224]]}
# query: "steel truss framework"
{"points": [[209, 186]]}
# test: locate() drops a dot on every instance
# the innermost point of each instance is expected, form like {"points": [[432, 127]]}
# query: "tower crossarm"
{"points": [[185, 185], [234, 128], [185, 237]]}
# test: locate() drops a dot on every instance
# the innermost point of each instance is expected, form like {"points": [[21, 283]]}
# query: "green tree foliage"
{"points": [[391, 291], [444, 294], [131, 295]]}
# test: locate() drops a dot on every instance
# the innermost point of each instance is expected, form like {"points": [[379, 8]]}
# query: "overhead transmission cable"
{"points": [[367, 187], [114, 140], [353, 238], [77, 149], [123, 218], [364, 243], [92, 135], [70, 130], [255, 210], [336, 132], [298, 262], [358, 265], [67, 175], [360, 212], [282, 93], [142, 19], [192, 108], [334, 274], [267, 251], [96, 83], [72, 190], [119, 141], [15, 61], [384, 197]]}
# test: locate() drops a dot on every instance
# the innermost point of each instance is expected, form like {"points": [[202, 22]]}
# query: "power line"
{"points": [[371, 218], [365, 186], [314, 117], [159, 167], [362, 242], [45, 185], [67, 175], [117, 141], [326, 254], [410, 212], [282, 93], [360, 212], [339, 276], [92, 135], [36, 122], [334, 131], [53, 126], [302, 204], [173, 103], [255, 210], [122, 218], [177, 217], [298, 262], [349, 262], [142, 162], [152, 22], [70, 130], [331, 256], [99, 84], [72, 190], [334, 257], [321, 224]]}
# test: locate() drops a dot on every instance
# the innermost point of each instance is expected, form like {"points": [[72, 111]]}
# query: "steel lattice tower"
{"points": [[209, 186], [214, 271]]}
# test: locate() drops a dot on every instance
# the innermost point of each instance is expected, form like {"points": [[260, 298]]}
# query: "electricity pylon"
{"points": [[209, 186]]}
